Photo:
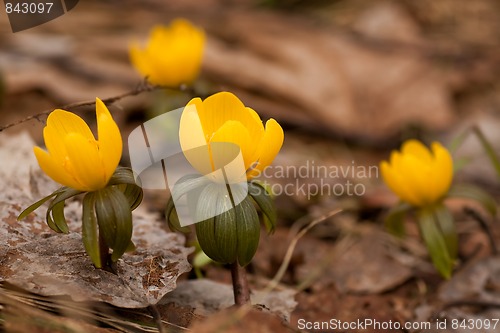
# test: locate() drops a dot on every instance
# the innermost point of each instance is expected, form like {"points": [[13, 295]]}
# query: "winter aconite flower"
{"points": [[223, 118], [422, 178], [227, 143], [418, 175], [172, 55], [86, 165], [75, 158]]}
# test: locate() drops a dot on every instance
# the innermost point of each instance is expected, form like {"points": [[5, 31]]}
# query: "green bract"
{"points": [[437, 229], [233, 234], [106, 218]]}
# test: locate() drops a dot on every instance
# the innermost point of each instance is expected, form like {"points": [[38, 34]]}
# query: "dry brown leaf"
{"points": [[327, 80], [313, 76], [39, 260], [478, 281], [365, 262], [208, 297], [228, 321]]}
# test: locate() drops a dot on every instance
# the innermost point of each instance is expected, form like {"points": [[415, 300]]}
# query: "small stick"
{"points": [[143, 87], [240, 284], [153, 309]]}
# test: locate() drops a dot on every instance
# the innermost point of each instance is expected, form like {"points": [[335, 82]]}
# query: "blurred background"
{"points": [[349, 80]]}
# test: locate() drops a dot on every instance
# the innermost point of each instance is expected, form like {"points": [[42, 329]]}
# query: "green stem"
{"points": [[240, 284], [238, 274]]}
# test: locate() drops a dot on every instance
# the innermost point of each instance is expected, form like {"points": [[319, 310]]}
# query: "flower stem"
{"points": [[104, 253], [240, 284]]}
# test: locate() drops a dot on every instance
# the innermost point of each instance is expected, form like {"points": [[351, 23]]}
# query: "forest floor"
{"points": [[348, 81]]}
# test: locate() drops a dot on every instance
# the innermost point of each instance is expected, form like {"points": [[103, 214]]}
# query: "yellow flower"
{"points": [[75, 158], [418, 175], [172, 55], [222, 117]]}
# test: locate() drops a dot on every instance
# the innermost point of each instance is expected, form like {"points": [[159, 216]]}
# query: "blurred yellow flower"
{"points": [[419, 176], [172, 55], [223, 118], [75, 158]]}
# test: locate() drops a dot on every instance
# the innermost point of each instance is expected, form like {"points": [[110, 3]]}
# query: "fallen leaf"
{"points": [[329, 80], [41, 261], [366, 262], [208, 297], [478, 281], [228, 321], [317, 77]]}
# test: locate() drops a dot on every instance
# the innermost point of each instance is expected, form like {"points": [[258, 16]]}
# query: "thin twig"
{"points": [[141, 88], [288, 255], [153, 309], [484, 225]]}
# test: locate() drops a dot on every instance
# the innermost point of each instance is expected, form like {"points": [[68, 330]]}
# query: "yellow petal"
{"points": [[148, 60], [224, 118], [254, 125], [184, 51], [198, 103], [110, 140], [139, 60], [159, 37], [85, 162], [219, 108], [233, 132], [229, 165], [59, 124], [55, 170], [164, 69], [395, 183], [181, 26], [172, 55], [403, 179], [392, 180], [418, 175], [417, 149], [269, 147], [254, 114], [429, 177], [65, 122], [418, 179], [192, 140], [225, 106], [191, 133], [443, 168], [54, 142]]}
